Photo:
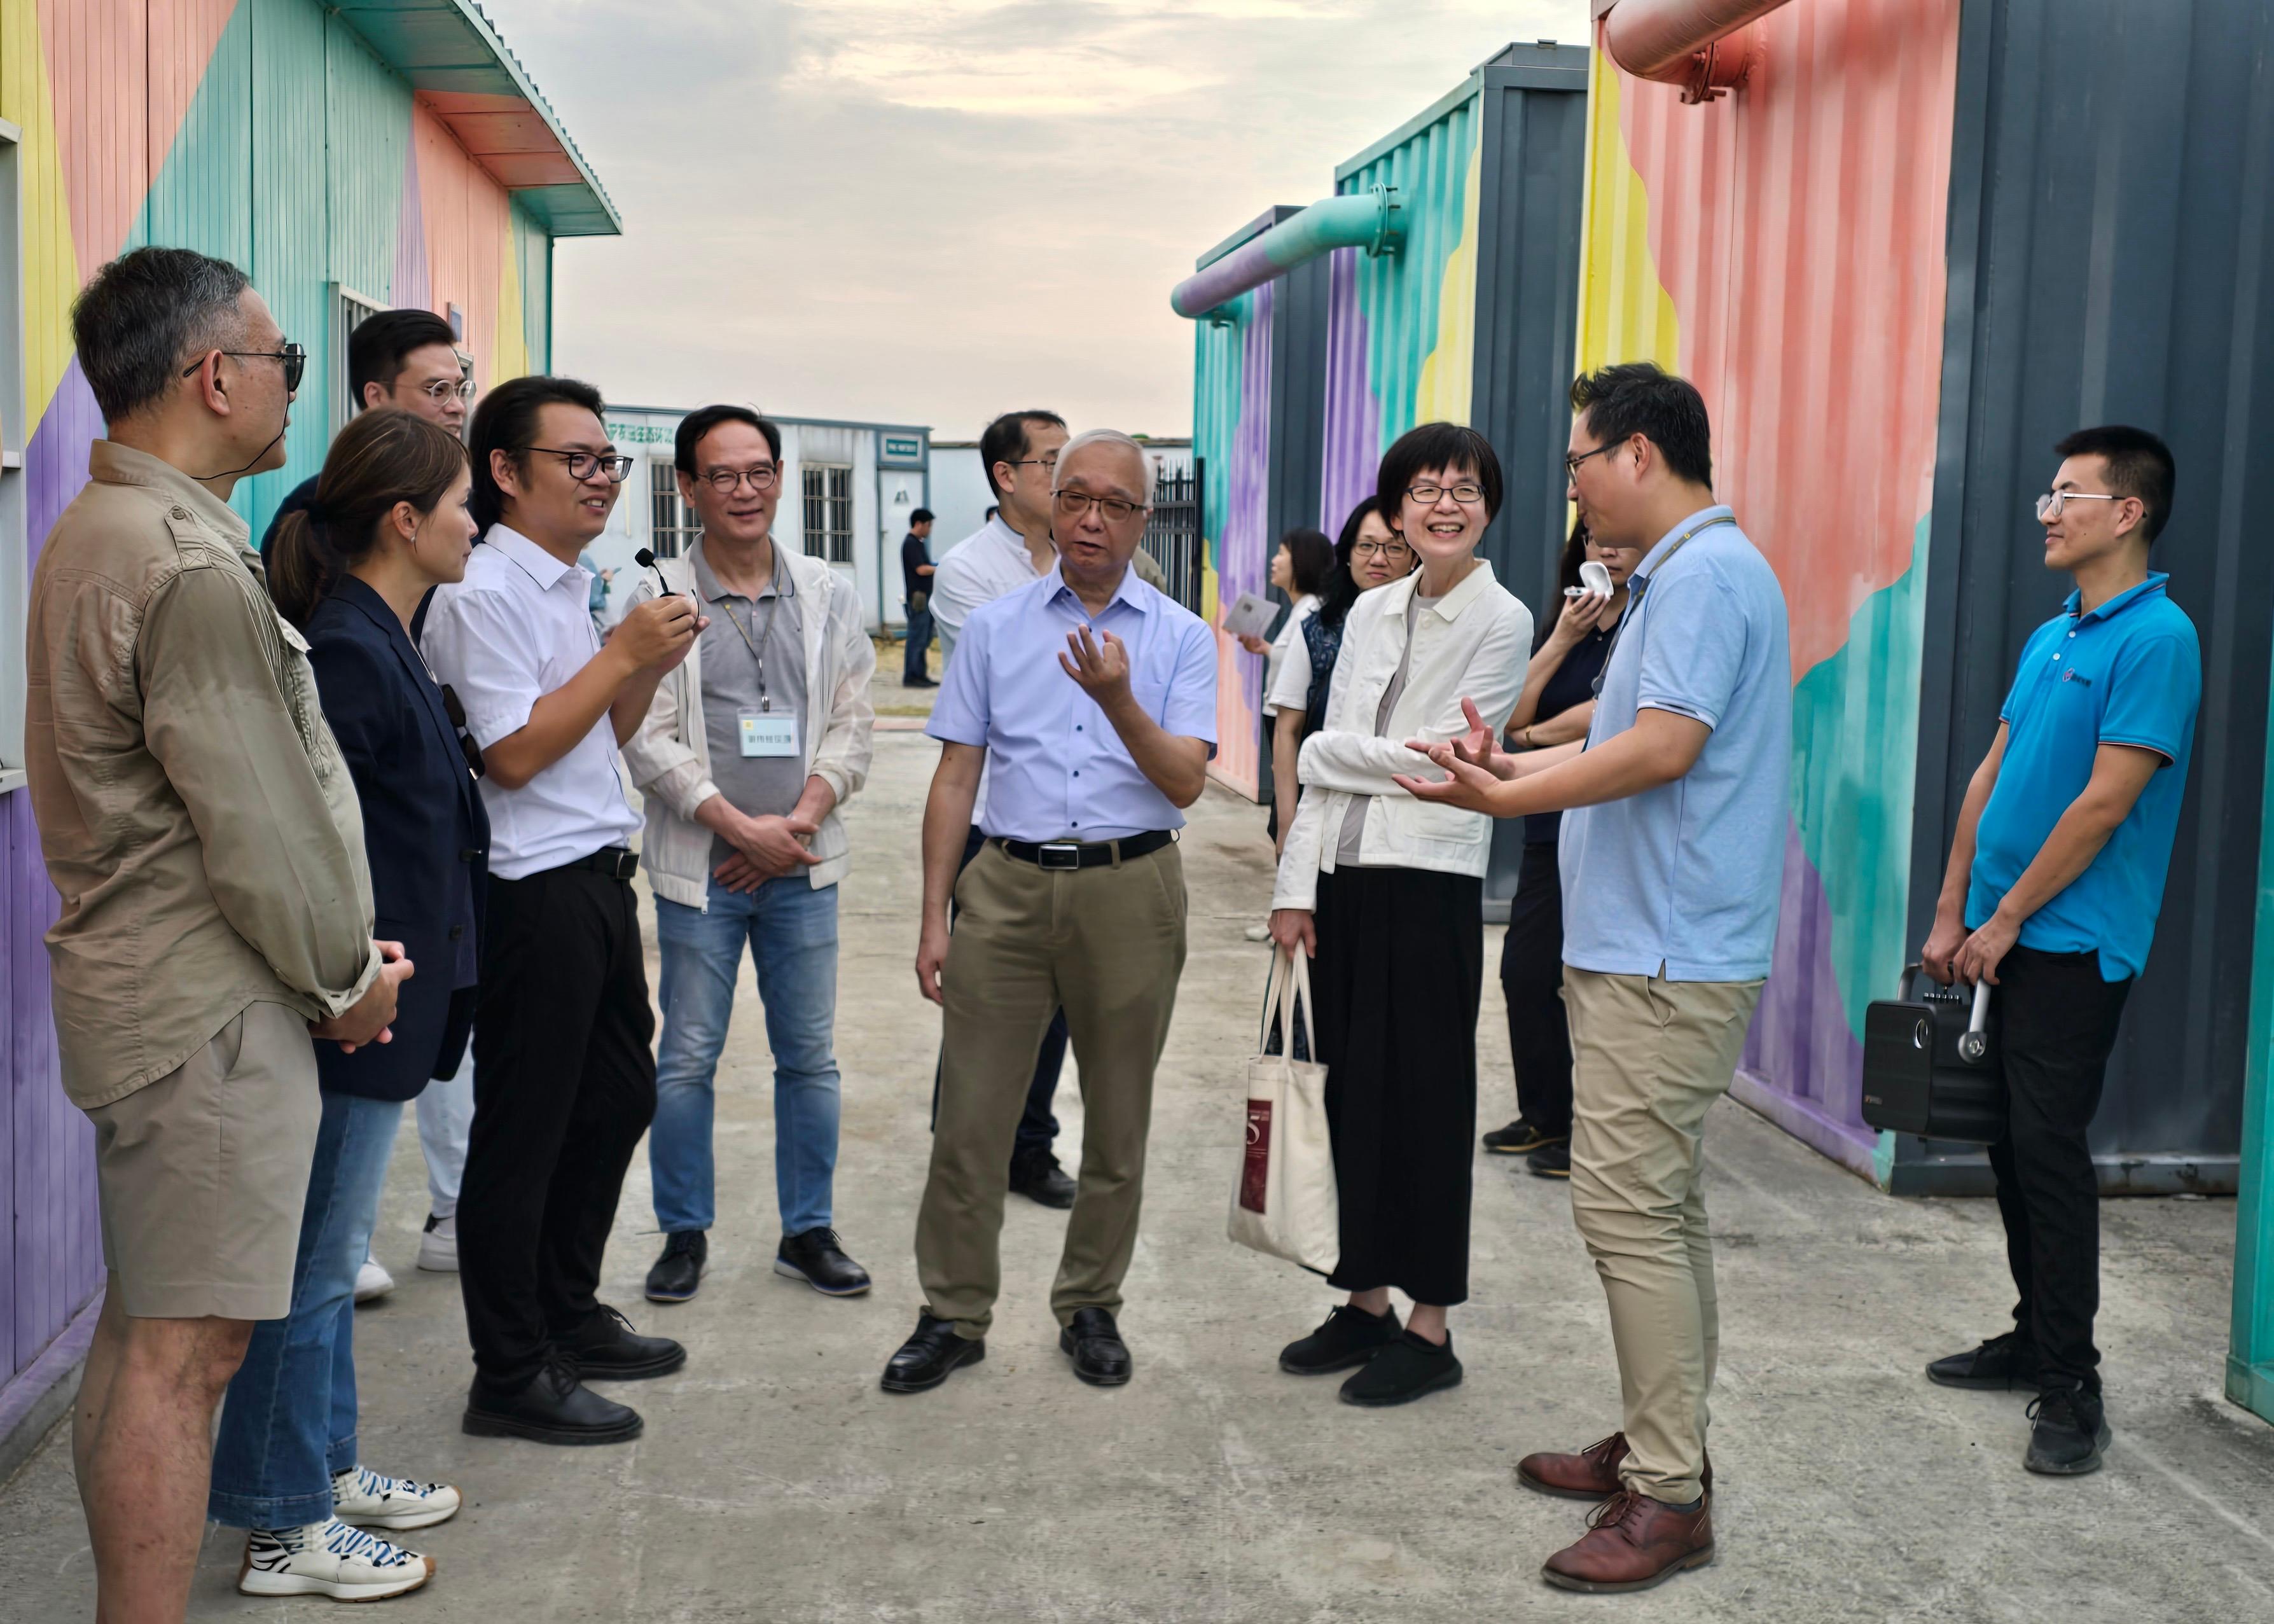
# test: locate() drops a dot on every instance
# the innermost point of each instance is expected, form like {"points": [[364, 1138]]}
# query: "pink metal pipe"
{"points": [[1704, 46]]}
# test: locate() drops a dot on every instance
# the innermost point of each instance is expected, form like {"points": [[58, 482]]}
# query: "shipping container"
{"points": [[353, 156]]}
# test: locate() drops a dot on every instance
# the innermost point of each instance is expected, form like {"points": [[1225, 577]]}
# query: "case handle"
{"points": [[1974, 1042]]}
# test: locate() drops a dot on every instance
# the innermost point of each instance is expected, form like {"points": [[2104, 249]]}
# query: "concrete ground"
{"points": [[776, 1482]]}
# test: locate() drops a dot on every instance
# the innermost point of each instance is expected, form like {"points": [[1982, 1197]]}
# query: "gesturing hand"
{"points": [[1102, 668], [1468, 786], [1480, 747]]}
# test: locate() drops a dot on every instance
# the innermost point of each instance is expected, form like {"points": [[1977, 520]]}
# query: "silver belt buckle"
{"points": [[1058, 854]]}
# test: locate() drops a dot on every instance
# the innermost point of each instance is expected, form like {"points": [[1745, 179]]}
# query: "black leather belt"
{"points": [[1087, 853], [612, 861]]}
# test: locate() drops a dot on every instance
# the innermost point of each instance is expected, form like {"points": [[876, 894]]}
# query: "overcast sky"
{"points": [[929, 212]]}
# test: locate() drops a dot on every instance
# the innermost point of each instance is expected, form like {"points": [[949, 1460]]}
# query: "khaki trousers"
{"points": [[1650, 1057], [1106, 945]]}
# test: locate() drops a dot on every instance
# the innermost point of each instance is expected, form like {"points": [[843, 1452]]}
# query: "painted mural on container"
{"points": [[1232, 439], [267, 132], [1764, 246]]}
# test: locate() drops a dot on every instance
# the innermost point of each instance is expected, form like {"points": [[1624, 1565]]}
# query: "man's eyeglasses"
{"points": [[1572, 463], [2050, 505], [441, 389], [1072, 505], [293, 356], [1048, 465], [1427, 495], [724, 481], [1387, 551], [584, 465], [467, 747]]}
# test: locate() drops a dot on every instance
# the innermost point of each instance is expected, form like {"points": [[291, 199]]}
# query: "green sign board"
{"points": [[903, 448], [640, 434]]}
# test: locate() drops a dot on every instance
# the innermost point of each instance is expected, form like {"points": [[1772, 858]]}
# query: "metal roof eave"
{"points": [[448, 49]]}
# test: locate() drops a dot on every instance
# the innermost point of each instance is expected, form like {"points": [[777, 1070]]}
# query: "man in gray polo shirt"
{"points": [[746, 753], [1671, 873]]}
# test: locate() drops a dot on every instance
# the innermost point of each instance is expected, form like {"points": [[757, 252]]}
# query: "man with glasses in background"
{"points": [[1090, 698], [746, 753], [2055, 878], [564, 1073]]}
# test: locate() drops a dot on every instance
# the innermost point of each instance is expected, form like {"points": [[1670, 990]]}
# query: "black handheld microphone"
{"points": [[645, 560]]}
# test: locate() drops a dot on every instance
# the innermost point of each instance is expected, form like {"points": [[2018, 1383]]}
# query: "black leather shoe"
{"points": [[2002, 1365], [554, 1409], [931, 1356], [1520, 1137], [1038, 1177], [1100, 1356], [679, 1271], [817, 1259], [608, 1349], [2069, 1432]]}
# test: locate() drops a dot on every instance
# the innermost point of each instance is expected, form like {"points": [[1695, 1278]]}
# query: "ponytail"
{"points": [[302, 569]]}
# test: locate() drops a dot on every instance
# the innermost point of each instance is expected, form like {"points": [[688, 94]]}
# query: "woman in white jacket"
{"points": [[1386, 894]]}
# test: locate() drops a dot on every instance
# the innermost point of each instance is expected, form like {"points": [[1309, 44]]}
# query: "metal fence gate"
{"points": [[1172, 534]]}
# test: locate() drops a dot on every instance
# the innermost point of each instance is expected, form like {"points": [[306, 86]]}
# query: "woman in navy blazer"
{"points": [[387, 525]]}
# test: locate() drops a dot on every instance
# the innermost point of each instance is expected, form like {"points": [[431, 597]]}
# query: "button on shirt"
{"points": [[1683, 881], [2128, 672], [513, 631], [1059, 769], [993, 560]]}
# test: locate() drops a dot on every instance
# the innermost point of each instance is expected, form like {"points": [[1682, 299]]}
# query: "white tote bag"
{"points": [[1284, 1202]]}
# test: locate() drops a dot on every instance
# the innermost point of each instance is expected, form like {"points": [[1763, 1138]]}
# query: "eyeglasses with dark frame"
{"points": [[584, 464], [1048, 465], [1388, 551], [1572, 463], [467, 747], [1468, 495], [1072, 505], [294, 357], [724, 481]]}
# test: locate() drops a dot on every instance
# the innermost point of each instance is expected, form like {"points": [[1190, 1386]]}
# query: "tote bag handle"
{"points": [[1287, 996]]}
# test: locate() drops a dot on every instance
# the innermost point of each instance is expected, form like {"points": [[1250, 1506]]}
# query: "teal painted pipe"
{"points": [[1367, 219]]}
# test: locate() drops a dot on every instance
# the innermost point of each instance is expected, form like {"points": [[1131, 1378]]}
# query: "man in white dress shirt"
{"points": [[564, 1071]]}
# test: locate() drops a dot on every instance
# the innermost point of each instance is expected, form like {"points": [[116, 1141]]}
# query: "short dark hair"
{"points": [[2138, 465], [380, 344], [1312, 557], [506, 421], [703, 419], [921, 515], [145, 313], [1433, 446], [1341, 589], [1642, 397], [1006, 440]]}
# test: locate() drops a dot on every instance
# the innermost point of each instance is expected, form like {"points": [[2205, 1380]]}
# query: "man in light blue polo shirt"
{"points": [[1673, 854], [1090, 699], [2055, 876]]}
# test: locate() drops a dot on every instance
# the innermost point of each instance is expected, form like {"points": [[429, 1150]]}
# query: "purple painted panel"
{"points": [[1353, 414], [1800, 1037], [54, 464]]}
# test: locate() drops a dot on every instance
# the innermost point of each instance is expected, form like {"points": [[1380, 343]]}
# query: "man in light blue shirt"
{"points": [[1672, 848], [1090, 699]]}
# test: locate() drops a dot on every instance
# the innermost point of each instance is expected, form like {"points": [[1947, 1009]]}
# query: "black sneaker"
{"points": [[1550, 1160], [2002, 1365], [680, 1271], [1350, 1336], [2070, 1431], [818, 1259], [1521, 1139], [1038, 1177], [1405, 1371]]}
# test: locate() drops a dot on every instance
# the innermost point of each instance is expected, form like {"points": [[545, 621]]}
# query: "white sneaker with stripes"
{"points": [[371, 1499], [328, 1559]]}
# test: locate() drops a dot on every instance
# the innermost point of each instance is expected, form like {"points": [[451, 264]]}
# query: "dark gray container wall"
{"points": [[1532, 192], [1299, 399], [2110, 239]]}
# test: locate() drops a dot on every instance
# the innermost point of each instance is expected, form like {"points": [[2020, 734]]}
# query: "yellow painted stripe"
{"points": [[51, 270], [1444, 392], [1625, 313]]}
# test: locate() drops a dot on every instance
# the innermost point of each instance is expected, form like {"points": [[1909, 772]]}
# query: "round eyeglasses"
{"points": [[442, 389], [724, 481]]}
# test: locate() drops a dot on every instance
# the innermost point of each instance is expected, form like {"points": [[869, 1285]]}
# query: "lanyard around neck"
{"points": [[1636, 590], [757, 645]]}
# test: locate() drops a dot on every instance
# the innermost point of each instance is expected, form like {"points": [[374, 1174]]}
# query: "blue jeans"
{"points": [[791, 930], [289, 1420], [912, 668]]}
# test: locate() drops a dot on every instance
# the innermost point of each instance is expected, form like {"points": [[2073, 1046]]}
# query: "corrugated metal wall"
{"points": [[1231, 437], [2109, 252]]}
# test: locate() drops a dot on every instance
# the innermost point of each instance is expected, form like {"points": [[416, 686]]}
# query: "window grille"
{"points": [[829, 512], [673, 526]]}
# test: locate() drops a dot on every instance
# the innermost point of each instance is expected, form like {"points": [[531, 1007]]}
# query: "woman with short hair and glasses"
{"points": [[388, 524], [1387, 893]]}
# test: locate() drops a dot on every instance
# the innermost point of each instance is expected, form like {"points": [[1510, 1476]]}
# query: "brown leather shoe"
{"points": [[1632, 1543], [1591, 1474]]}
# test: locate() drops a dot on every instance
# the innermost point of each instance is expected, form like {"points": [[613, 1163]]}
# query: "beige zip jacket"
{"points": [[198, 820], [670, 755]]}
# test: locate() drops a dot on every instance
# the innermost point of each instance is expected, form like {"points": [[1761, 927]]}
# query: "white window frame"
{"points": [[349, 310], [672, 524], [828, 491], [15, 439]]}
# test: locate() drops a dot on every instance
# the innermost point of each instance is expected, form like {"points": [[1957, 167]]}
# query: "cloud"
{"points": [[929, 212]]}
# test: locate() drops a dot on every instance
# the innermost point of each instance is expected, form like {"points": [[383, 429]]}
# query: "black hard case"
{"points": [[1917, 1076]]}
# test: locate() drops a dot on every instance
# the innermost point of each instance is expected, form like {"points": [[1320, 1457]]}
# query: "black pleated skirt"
{"points": [[1397, 981]]}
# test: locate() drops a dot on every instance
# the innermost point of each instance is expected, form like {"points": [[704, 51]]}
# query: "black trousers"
{"points": [[1397, 979], [1038, 1125], [2057, 1025], [564, 1087], [1532, 981]]}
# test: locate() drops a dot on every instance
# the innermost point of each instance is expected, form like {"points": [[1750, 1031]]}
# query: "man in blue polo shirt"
{"points": [[2055, 875]]}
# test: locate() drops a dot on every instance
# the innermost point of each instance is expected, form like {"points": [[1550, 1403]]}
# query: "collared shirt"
{"points": [[774, 623], [2128, 672], [993, 560], [1683, 881], [513, 631], [197, 816], [1282, 687], [1058, 768]]}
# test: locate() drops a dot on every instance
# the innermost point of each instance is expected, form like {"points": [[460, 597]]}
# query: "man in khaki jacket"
{"points": [[203, 833]]}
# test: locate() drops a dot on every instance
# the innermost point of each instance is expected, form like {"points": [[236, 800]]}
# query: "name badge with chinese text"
{"points": [[768, 734]]}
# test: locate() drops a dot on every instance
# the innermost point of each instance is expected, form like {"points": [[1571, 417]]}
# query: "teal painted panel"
{"points": [[2250, 1348], [534, 245], [366, 142], [1219, 389], [202, 196]]}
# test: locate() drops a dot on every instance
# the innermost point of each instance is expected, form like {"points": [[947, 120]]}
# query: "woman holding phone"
{"points": [[388, 524]]}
